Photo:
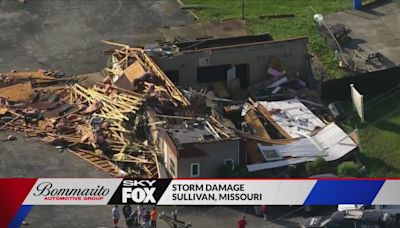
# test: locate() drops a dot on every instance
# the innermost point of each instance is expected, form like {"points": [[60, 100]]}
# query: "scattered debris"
{"points": [[123, 123], [276, 16], [10, 138]]}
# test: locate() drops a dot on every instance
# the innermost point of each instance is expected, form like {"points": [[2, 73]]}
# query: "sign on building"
{"points": [[204, 61], [358, 101]]}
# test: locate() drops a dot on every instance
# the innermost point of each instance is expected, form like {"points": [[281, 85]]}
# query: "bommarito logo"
{"points": [[49, 192]]}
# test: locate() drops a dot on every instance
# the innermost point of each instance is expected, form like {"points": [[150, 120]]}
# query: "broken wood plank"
{"points": [[18, 92], [99, 162], [268, 116], [255, 123]]}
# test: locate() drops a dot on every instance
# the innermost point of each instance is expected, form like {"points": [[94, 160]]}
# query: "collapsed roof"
{"points": [[310, 137]]}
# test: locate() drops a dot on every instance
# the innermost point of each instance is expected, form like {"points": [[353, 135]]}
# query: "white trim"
{"points": [[198, 170]]}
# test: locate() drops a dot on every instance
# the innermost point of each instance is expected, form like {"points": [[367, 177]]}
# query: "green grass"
{"points": [[302, 24], [380, 134], [380, 138]]}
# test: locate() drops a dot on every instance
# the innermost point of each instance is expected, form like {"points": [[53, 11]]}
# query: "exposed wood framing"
{"points": [[268, 116], [139, 55], [99, 162], [255, 123]]}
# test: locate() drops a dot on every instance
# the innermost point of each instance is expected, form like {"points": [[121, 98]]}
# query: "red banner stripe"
{"points": [[13, 192]]}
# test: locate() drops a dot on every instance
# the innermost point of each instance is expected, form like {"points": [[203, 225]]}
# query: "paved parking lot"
{"points": [[373, 29], [66, 35]]}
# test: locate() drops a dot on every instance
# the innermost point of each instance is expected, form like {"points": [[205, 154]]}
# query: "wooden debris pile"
{"points": [[133, 69], [97, 124], [23, 86]]}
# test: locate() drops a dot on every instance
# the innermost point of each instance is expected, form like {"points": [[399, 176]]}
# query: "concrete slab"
{"points": [[29, 157], [378, 33], [66, 35]]}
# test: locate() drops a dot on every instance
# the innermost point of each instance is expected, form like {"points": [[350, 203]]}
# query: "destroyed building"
{"points": [[137, 123], [196, 151], [244, 59], [305, 137]]}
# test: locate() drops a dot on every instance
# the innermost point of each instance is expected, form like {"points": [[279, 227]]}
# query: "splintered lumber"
{"points": [[255, 123], [148, 64], [115, 44], [49, 88], [99, 162], [27, 75], [10, 122], [268, 116], [157, 165], [221, 128], [261, 139], [174, 92], [111, 108], [3, 110], [76, 129], [220, 89], [18, 92]]}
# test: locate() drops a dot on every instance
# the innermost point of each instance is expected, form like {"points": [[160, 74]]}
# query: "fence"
{"points": [[369, 84]]}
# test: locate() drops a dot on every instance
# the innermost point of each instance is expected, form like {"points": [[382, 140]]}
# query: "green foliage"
{"points": [[302, 24], [380, 137], [349, 169], [317, 166], [380, 134]]}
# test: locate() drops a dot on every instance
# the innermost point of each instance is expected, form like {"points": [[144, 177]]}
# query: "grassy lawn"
{"points": [[380, 134], [380, 138], [302, 24]]}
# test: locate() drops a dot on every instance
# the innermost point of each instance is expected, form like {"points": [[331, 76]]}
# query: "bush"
{"points": [[317, 166], [349, 169]]}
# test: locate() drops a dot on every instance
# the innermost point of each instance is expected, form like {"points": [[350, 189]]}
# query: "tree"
{"points": [[349, 169], [317, 166]]}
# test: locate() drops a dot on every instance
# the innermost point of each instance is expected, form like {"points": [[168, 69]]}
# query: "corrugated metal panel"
{"points": [[334, 141], [294, 117]]}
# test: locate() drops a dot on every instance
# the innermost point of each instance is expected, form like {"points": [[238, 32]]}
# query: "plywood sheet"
{"points": [[28, 75], [134, 71], [18, 92]]}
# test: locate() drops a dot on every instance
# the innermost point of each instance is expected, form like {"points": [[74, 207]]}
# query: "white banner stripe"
{"points": [[389, 193], [245, 192]]}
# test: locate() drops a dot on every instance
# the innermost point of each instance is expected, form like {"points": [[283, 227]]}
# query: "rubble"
{"points": [[85, 120], [10, 138], [117, 124]]}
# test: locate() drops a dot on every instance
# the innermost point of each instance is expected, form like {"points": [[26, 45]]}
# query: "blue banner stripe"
{"points": [[331, 192], [20, 216]]}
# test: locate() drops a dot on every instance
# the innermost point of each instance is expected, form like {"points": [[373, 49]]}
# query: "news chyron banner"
{"points": [[213, 191], [17, 196]]}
